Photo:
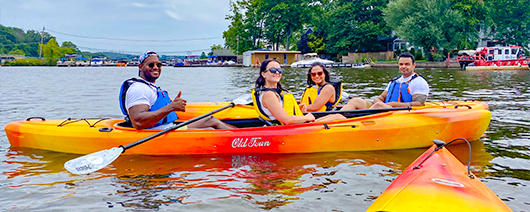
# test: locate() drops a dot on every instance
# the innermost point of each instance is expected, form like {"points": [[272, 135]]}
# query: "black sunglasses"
{"points": [[276, 70], [151, 65]]}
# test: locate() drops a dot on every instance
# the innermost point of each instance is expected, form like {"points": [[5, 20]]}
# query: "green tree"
{"points": [[69, 44], [214, 47], [282, 19], [276, 22], [474, 12], [7, 39], [245, 29], [316, 44], [203, 56], [426, 23], [17, 52], [51, 52], [67, 50], [14, 38], [509, 21], [354, 26]]}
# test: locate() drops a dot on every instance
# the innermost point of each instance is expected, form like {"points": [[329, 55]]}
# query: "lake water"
{"points": [[33, 179]]}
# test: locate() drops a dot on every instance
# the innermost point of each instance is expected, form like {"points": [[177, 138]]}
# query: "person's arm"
{"points": [[325, 95], [381, 98], [419, 99], [142, 118], [400, 104], [272, 102], [419, 89]]}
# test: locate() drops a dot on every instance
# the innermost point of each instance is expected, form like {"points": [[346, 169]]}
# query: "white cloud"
{"points": [[173, 15], [139, 5]]}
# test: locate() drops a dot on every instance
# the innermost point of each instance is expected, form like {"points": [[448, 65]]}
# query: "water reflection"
{"points": [[36, 180], [151, 182]]}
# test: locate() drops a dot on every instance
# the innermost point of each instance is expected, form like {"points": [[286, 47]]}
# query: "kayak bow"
{"points": [[437, 181]]}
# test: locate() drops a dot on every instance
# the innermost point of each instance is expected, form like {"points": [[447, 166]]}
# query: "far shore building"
{"points": [[224, 55], [10, 57], [255, 57]]}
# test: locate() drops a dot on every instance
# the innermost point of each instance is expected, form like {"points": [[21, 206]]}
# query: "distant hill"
{"points": [[119, 56]]}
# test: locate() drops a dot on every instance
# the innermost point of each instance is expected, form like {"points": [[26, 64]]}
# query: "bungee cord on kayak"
{"points": [[441, 144]]}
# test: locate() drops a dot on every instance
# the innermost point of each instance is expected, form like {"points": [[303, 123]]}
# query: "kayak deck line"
{"points": [[195, 109]]}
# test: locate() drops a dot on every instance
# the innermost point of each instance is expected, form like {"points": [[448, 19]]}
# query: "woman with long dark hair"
{"points": [[272, 102], [325, 95]]}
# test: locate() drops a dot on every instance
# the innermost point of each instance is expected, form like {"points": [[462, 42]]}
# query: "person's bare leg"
{"points": [[380, 105], [355, 104], [210, 121], [331, 117]]}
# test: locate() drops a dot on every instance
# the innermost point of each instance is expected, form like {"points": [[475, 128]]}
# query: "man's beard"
{"points": [[150, 78]]}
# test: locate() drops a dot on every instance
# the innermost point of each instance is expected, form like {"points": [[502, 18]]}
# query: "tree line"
{"points": [[335, 27], [16, 41]]}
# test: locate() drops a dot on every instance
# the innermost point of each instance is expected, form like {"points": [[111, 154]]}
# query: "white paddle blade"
{"points": [[243, 100], [93, 162]]}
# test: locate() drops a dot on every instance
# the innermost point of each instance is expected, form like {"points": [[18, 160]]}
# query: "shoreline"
{"points": [[420, 65]]}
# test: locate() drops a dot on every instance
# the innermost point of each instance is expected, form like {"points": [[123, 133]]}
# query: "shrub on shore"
{"points": [[27, 62]]}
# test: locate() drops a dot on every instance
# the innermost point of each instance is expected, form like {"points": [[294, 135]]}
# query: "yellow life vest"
{"points": [[289, 103], [311, 93]]}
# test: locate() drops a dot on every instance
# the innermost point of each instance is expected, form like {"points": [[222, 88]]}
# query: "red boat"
{"points": [[494, 58]]}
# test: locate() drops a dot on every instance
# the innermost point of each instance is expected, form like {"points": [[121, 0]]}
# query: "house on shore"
{"points": [[255, 57], [9, 58], [224, 55]]}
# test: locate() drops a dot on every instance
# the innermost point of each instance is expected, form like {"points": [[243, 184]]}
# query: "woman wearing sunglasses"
{"points": [[321, 94], [275, 104]]}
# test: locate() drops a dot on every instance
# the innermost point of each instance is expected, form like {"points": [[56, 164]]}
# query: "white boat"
{"points": [[96, 62], [309, 60]]}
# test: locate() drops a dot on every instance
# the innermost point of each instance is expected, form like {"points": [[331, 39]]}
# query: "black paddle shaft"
{"points": [[174, 127], [354, 113]]}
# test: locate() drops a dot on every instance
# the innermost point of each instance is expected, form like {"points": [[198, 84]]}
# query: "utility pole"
{"points": [[237, 39], [41, 40]]}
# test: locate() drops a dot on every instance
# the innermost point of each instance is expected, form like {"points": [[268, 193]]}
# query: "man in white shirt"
{"points": [[148, 106], [410, 89]]}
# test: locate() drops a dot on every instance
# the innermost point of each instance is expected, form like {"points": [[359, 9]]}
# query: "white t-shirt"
{"points": [[416, 86], [140, 94]]}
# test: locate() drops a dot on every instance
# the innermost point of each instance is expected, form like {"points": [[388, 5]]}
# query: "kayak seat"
{"points": [[266, 122], [125, 124], [245, 123], [239, 123]]}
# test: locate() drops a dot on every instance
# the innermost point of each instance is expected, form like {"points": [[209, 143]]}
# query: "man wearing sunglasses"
{"points": [[147, 106], [410, 89]]}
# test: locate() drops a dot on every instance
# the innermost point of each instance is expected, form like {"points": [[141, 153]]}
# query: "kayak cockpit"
{"points": [[239, 123]]}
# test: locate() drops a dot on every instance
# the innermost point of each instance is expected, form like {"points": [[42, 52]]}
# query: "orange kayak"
{"points": [[402, 129], [441, 183]]}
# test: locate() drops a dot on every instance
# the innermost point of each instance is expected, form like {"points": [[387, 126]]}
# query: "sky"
{"points": [[171, 27]]}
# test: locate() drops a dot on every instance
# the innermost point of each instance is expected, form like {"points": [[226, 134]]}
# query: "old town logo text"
{"points": [[249, 142]]}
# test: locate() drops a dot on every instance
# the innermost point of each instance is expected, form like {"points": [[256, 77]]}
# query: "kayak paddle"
{"points": [[355, 113], [95, 161]]}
